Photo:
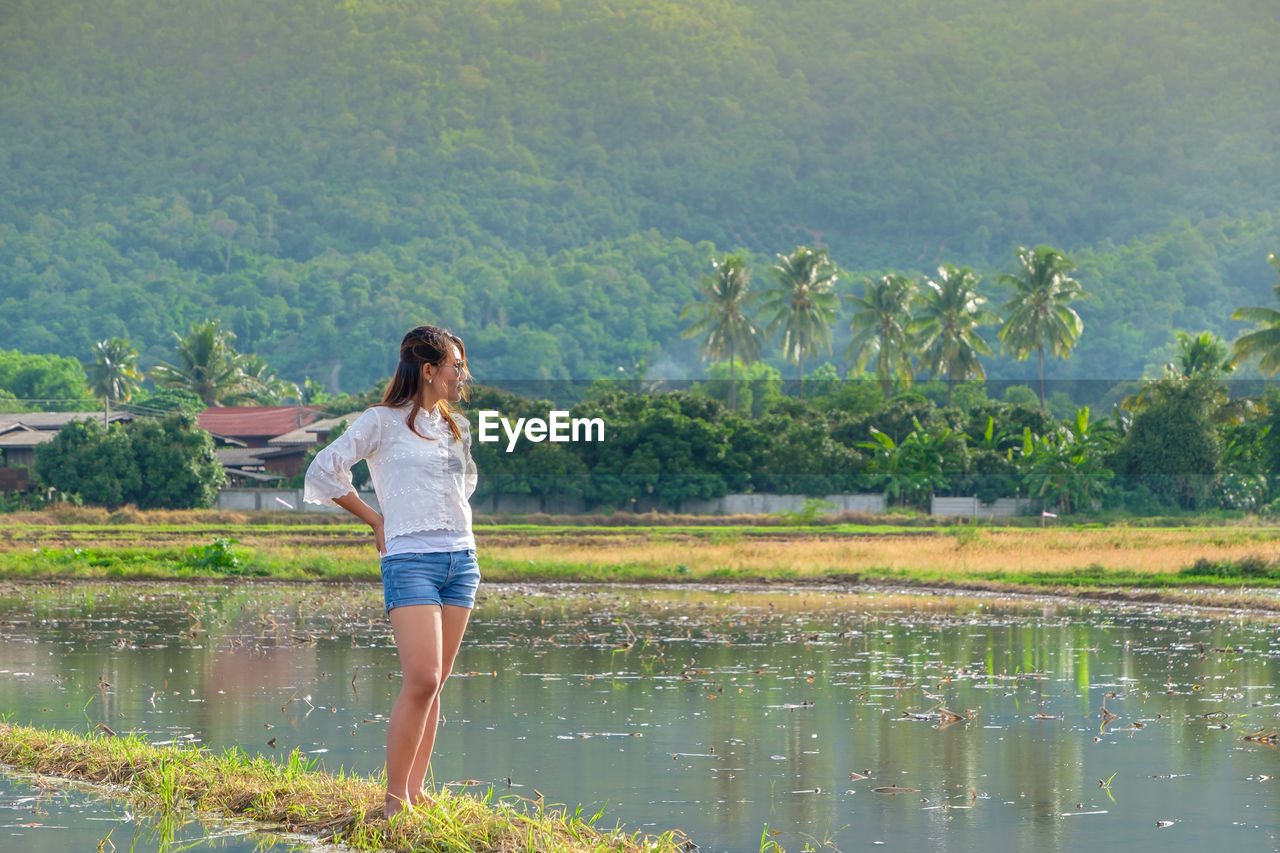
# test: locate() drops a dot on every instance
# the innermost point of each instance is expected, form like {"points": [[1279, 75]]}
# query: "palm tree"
{"points": [[114, 374], [1203, 354], [261, 384], [723, 318], [950, 316], [208, 364], [803, 305], [1038, 314], [881, 320], [1264, 341]]}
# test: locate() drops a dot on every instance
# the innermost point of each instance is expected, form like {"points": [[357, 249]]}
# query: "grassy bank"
{"points": [[1059, 557], [293, 795]]}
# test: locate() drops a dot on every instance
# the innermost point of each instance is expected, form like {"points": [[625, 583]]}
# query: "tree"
{"points": [[114, 374], [662, 449], [91, 461], [1065, 464], [162, 401], [1263, 342], [881, 327], [950, 315], [261, 385], [724, 319], [151, 463], [1039, 315], [1204, 354], [50, 382], [1202, 361], [1172, 447], [177, 465], [761, 385], [916, 467], [803, 305], [208, 364]]}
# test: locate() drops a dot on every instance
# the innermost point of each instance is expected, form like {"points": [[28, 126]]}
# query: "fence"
{"points": [[974, 508], [752, 504]]}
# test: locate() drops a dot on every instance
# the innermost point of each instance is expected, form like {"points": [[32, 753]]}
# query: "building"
{"points": [[22, 432], [260, 445]]}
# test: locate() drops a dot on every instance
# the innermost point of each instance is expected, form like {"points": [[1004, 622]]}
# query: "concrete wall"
{"points": [[767, 504], [973, 508], [753, 504], [278, 499], [749, 504]]}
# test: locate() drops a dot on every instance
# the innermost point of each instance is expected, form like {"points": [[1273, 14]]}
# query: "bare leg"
{"points": [[427, 638], [453, 625], [418, 633]]}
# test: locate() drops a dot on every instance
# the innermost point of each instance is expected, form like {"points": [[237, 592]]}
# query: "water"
{"points": [[730, 715]]}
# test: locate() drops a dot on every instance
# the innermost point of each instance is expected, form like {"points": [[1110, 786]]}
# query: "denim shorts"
{"points": [[442, 578]]}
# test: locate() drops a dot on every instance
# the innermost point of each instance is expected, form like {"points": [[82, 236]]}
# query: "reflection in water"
{"points": [[39, 815], [833, 718]]}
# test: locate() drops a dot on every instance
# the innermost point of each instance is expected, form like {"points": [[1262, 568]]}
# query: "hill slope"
{"points": [[550, 178]]}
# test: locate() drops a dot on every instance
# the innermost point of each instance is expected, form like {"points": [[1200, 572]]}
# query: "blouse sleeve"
{"points": [[329, 475], [469, 472]]}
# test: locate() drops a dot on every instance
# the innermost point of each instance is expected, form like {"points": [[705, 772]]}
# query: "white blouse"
{"points": [[422, 484]]}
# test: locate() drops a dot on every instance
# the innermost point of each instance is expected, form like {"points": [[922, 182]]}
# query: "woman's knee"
{"points": [[423, 684]]}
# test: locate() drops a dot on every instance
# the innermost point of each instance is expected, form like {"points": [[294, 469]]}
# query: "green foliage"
{"points": [[792, 450], [915, 468], [1264, 342], [1039, 317], [540, 469], [218, 556], [93, 463], [813, 507], [44, 382], [114, 374], [207, 365], [1246, 568], [661, 450], [1065, 466], [758, 385], [724, 318], [951, 313], [167, 463], [550, 179], [160, 401], [177, 466], [802, 305], [1020, 395], [1172, 447], [881, 327]]}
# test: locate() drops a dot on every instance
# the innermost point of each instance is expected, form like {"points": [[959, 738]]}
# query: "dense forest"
{"points": [[552, 179]]}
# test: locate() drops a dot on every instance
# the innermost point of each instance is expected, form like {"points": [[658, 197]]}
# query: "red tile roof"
{"points": [[256, 421]]}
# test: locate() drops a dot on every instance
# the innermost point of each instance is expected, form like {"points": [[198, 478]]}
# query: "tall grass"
{"points": [[957, 555], [293, 794]]}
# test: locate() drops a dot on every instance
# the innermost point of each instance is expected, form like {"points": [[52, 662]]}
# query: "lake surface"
{"points": [[730, 715]]}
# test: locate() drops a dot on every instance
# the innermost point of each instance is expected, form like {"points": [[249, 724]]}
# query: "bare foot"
{"points": [[392, 805], [422, 798]]}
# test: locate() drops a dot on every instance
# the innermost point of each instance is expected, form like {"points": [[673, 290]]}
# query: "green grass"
{"points": [[295, 796], [962, 554]]}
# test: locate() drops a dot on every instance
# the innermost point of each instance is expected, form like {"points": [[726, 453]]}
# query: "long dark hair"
{"points": [[423, 345]]}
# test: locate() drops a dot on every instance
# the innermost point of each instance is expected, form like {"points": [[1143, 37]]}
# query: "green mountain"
{"points": [[551, 178]]}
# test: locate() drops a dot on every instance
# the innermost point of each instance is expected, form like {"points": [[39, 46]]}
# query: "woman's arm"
{"points": [[352, 503]]}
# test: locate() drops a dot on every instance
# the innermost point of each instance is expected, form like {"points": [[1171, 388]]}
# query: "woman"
{"points": [[419, 454]]}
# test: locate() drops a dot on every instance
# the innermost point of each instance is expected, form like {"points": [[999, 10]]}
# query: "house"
{"points": [[244, 467], [262, 444], [254, 426], [290, 450], [22, 432]]}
